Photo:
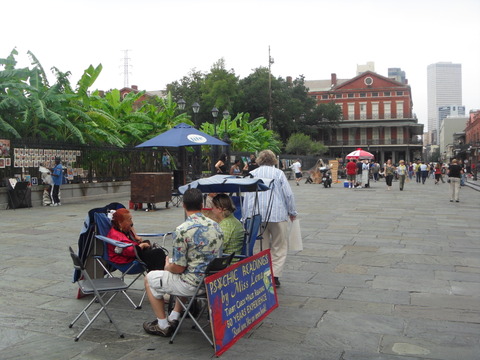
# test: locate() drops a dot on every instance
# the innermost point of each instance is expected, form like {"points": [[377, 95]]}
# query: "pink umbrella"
{"points": [[359, 154]]}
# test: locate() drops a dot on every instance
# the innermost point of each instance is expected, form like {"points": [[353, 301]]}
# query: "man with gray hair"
{"points": [[276, 206]]}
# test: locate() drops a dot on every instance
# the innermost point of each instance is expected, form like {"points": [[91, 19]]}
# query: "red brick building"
{"points": [[377, 116], [148, 94], [472, 136]]}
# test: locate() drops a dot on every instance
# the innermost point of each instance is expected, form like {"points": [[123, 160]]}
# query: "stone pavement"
{"points": [[383, 275]]}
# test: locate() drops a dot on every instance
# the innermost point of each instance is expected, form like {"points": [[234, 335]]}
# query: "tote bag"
{"points": [[295, 236]]}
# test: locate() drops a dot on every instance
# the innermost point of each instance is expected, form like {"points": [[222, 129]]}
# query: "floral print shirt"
{"points": [[196, 242]]}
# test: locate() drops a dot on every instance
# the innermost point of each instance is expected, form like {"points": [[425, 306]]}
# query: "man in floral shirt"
{"points": [[196, 242]]}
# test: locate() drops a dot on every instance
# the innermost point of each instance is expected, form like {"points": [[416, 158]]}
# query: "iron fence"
{"points": [[84, 163]]}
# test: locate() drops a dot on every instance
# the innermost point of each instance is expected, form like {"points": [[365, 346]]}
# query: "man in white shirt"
{"points": [[297, 169], [276, 206]]}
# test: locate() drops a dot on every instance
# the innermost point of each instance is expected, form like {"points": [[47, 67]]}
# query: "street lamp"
{"points": [[181, 104], [196, 109], [215, 114], [226, 139]]}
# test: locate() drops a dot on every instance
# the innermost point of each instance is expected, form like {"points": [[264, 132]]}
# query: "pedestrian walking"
{"points": [[389, 172], [418, 172], [438, 174], [402, 174], [455, 172], [375, 169], [297, 169], [410, 170], [276, 207], [424, 171]]}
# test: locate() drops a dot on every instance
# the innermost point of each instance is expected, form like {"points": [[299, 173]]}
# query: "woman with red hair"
{"points": [[122, 230]]}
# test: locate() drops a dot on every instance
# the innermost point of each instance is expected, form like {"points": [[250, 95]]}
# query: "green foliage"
{"points": [[321, 121], [245, 135], [31, 107], [301, 144]]}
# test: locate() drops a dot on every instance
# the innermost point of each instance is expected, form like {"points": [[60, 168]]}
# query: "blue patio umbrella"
{"points": [[182, 135], [228, 184]]}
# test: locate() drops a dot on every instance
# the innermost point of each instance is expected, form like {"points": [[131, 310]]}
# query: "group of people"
{"points": [[200, 239], [237, 168], [358, 173]]}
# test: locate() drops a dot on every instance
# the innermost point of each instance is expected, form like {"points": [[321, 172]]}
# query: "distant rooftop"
{"points": [[322, 85]]}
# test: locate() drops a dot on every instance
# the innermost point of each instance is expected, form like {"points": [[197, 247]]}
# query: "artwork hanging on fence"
{"points": [[34, 157]]}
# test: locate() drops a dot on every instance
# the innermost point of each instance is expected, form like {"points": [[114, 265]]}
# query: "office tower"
{"points": [[444, 88], [446, 111], [397, 74], [369, 66]]}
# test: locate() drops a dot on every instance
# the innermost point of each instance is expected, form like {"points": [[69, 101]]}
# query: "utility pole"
{"points": [[126, 68], [270, 62]]}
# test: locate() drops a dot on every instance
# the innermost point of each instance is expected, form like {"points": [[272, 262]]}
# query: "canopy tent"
{"points": [[228, 184], [182, 135]]}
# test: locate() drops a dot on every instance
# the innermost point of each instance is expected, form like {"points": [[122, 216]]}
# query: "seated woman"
{"points": [[235, 169], [122, 230], [232, 228]]}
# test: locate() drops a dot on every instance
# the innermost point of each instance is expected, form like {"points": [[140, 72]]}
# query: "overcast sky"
{"points": [[167, 39]]}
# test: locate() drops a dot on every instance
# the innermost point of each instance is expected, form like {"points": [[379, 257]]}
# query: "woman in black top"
{"points": [[221, 165], [454, 174]]}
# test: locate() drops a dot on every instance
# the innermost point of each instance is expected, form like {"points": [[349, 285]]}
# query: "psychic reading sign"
{"points": [[240, 297]]}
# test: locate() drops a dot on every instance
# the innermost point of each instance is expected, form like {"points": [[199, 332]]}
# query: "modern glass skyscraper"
{"points": [[444, 88]]}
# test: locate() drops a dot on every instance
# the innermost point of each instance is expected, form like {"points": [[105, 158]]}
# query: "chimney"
{"points": [[134, 87], [334, 79], [289, 81]]}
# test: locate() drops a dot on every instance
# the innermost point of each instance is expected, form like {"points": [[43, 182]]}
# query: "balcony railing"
{"points": [[372, 142]]}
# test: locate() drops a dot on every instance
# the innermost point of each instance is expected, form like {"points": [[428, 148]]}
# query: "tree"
{"points": [[253, 94], [320, 122], [290, 102], [220, 88], [301, 144], [189, 88]]}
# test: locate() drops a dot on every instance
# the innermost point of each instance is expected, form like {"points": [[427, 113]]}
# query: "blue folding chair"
{"points": [[135, 267], [252, 229], [237, 202]]}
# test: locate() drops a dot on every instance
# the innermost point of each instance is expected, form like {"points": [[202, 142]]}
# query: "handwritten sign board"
{"points": [[239, 298]]}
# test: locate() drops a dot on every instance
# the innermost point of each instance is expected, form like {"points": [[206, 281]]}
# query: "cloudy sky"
{"points": [[166, 39]]}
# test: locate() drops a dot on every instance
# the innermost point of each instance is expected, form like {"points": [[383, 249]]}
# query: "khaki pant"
{"points": [[454, 188], [275, 239]]}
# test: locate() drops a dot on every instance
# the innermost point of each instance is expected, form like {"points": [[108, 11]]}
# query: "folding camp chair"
{"points": [[135, 267], [252, 229], [99, 288], [88, 246], [187, 303]]}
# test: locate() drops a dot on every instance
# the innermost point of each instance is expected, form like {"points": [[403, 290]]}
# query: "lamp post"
{"points": [[197, 163], [226, 139], [214, 147], [215, 114]]}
